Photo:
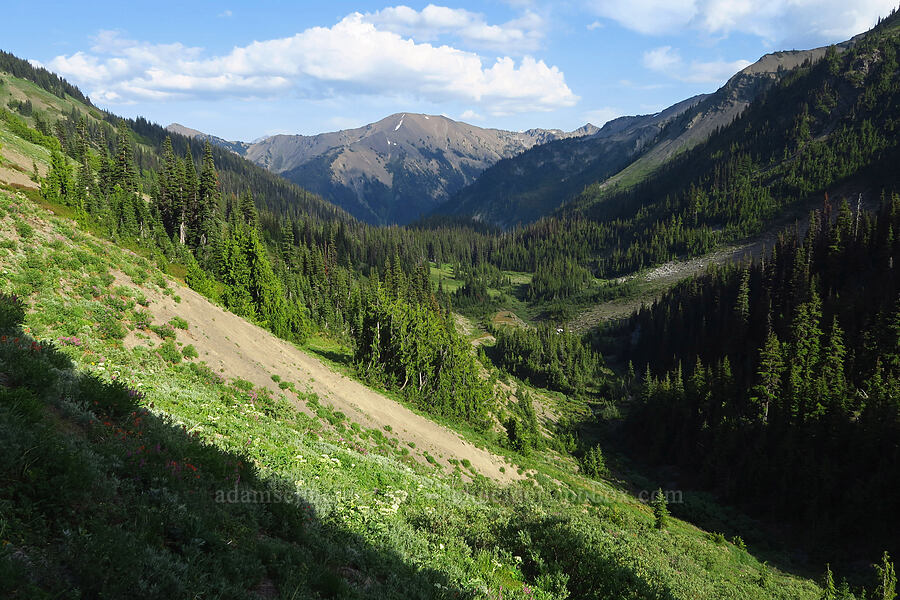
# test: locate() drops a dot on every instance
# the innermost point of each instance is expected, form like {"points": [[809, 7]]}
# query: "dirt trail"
{"points": [[664, 276], [237, 348]]}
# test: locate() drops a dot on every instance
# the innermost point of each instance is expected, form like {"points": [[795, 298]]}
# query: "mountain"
{"points": [[236, 147], [399, 168], [153, 441], [537, 182], [532, 184]]}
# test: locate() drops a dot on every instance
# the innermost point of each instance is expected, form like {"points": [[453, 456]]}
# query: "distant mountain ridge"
{"points": [[394, 170], [236, 147], [542, 179]]}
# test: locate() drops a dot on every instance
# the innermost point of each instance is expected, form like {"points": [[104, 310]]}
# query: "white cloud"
{"points": [[776, 21], [224, 14], [432, 22], [662, 58], [471, 115], [647, 16], [668, 61], [595, 25], [352, 57], [600, 116]]}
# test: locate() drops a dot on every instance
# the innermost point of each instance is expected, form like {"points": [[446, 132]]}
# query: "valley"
{"points": [[419, 358]]}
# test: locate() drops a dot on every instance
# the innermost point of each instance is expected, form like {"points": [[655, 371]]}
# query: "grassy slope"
{"points": [[84, 512]]}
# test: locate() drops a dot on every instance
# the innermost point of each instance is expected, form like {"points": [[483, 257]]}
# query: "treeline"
{"points": [[778, 384], [405, 341], [51, 82], [298, 278], [547, 357], [820, 124]]}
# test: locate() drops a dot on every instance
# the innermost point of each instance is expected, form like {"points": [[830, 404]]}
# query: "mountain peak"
{"points": [[398, 168]]}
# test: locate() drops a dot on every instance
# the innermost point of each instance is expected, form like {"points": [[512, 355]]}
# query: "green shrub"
{"points": [[716, 538], [142, 319], [109, 326], [12, 311], [168, 351], [189, 351], [163, 331], [178, 323], [26, 231]]}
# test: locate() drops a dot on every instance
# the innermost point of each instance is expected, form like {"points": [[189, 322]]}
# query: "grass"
{"points": [[357, 517]]}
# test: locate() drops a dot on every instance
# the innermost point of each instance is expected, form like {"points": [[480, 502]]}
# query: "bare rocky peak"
{"points": [[417, 135], [399, 167]]}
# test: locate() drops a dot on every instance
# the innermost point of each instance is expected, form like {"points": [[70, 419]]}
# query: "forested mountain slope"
{"points": [[523, 188], [534, 184], [824, 124], [777, 384], [132, 467], [58, 109]]}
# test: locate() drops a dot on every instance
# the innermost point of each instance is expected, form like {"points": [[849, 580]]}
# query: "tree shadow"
{"points": [[102, 498]]}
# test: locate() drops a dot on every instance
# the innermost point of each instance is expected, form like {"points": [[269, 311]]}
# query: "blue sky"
{"points": [[244, 70]]}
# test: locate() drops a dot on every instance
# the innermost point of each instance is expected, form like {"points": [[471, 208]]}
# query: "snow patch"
{"points": [[399, 124], [426, 117]]}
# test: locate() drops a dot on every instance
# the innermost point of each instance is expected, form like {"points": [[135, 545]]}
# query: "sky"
{"points": [[243, 70]]}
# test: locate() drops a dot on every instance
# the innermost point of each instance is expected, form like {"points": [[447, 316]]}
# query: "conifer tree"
{"points": [[886, 586], [660, 510], [769, 373]]}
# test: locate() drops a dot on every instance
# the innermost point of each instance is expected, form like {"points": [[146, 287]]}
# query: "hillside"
{"points": [[399, 168], [216, 384], [30, 94], [191, 458], [539, 181], [526, 187]]}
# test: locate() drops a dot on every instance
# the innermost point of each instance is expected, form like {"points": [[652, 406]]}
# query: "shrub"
{"points": [[189, 351], [169, 352], [109, 326], [178, 323], [163, 331], [26, 231], [12, 311], [716, 537], [142, 319]]}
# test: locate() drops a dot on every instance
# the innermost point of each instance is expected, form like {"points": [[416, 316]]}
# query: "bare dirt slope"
{"points": [[237, 348]]}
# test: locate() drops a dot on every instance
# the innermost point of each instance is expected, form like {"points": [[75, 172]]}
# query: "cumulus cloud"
{"points": [[352, 57], [776, 21], [669, 62], [471, 115], [432, 22]]}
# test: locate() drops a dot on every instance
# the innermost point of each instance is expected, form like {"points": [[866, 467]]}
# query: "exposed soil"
{"points": [[236, 348]]}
